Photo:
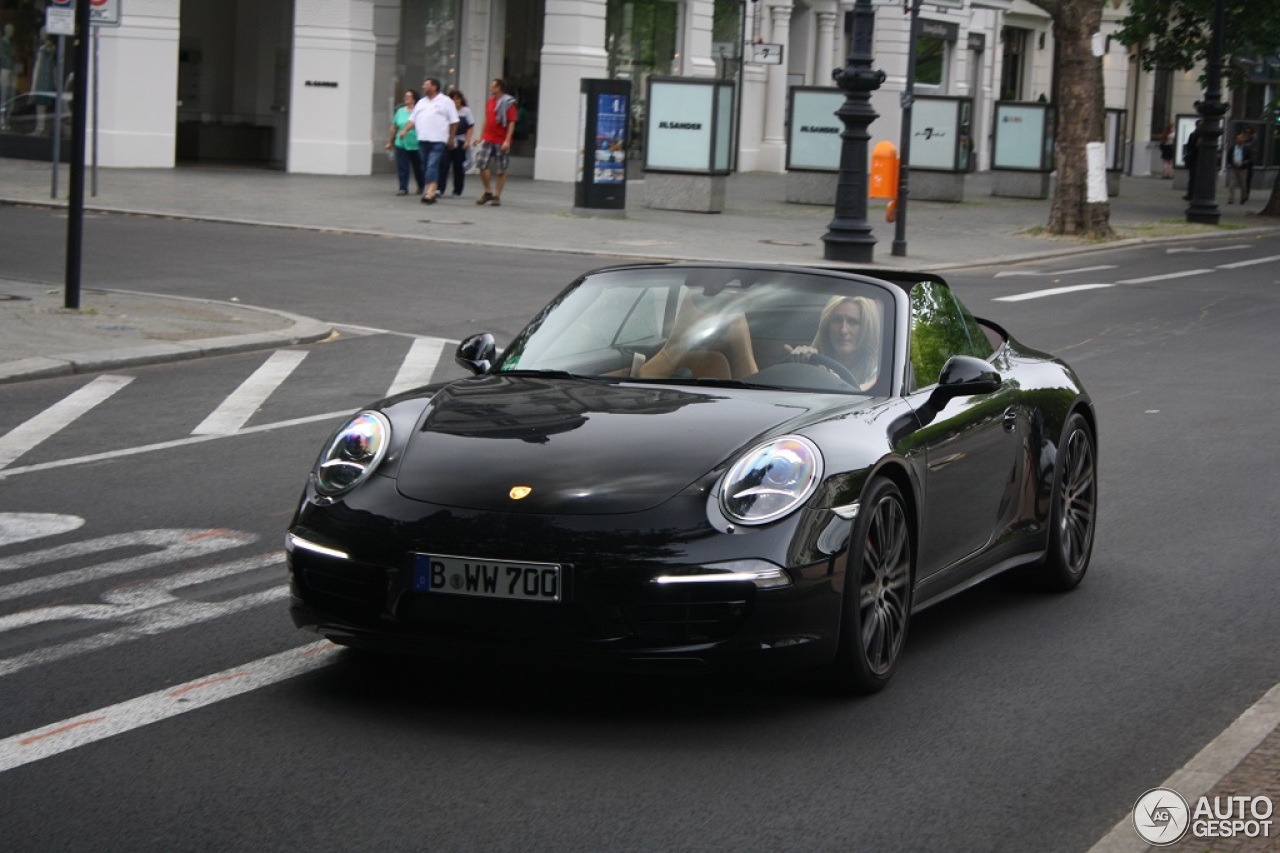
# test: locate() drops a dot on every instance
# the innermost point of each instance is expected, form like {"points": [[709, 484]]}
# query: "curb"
{"points": [[299, 330], [1033, 255]]}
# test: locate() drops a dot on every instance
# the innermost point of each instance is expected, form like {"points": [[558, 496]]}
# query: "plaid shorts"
{"points": [[491, 152]]}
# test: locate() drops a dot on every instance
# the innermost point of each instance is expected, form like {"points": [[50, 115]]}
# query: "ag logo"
{"points": [[1161, 817]]}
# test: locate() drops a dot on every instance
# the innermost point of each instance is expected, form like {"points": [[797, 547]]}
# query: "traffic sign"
{"points": [[101, 12]]}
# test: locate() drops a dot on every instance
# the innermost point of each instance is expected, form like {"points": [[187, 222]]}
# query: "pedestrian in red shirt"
{"points": [[494, 153]]}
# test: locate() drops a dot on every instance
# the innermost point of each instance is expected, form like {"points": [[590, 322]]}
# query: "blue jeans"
{"points": [[431, 153], [408, 159]]}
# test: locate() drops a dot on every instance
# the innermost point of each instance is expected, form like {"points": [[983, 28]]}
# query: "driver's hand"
{"points": [[801, 353]]}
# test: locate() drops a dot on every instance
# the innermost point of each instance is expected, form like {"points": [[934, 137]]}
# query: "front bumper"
{"points": [[353, 584]]}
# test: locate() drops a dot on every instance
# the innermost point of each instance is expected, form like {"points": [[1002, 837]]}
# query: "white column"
{"points": [[329, 125], [825, 49], [773, 146], [696, 59], [572, 50], [138, 86]]}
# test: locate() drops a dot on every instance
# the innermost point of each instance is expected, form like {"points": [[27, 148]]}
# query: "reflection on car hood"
{"points": [[581, 446]]}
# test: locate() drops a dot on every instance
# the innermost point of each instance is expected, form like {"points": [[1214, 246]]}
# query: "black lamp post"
{"points": [[848, 236], [1204, 205]]}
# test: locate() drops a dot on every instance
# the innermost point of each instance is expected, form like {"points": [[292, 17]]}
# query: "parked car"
{"points": [[699, 465]]}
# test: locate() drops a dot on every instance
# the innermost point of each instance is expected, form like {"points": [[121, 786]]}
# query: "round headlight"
{"points": [[352, 454], [771, 480]]}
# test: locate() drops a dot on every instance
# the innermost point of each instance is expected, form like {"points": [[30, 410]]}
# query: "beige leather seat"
{"points": [[710, 346]]}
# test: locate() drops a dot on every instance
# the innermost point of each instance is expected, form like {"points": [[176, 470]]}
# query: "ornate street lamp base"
{"points": [[847, 246]]}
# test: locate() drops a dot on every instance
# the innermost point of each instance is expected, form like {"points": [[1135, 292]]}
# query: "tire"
{"points": [[1074, 511], [877, 594]]}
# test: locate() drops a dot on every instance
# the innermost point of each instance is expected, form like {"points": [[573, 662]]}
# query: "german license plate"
{"points": [[486, 578]]}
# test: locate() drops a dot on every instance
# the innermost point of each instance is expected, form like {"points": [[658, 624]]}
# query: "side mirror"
{"points": [[963, 376], [477, 353]]}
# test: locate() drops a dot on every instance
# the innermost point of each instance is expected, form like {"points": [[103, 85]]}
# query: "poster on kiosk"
{"points": [[604, 134]]}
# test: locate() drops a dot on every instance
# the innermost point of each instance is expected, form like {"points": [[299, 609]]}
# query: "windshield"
{"points": [[715, 326]]}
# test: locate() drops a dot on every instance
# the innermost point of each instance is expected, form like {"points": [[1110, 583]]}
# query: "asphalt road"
{"points": [[1017, 721]]}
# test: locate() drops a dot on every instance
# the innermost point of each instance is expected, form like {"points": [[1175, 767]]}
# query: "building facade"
{"points": [[308, 86]]}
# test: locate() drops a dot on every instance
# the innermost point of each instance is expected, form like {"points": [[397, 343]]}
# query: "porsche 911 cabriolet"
{"points": [[693, 466]]}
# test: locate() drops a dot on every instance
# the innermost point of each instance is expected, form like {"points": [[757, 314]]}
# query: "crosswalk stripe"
{"points": [[418, 365], [237, 408], [60, 415]]}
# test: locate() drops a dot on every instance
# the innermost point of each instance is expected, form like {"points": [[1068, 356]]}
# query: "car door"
{"points": [[970, 444]]}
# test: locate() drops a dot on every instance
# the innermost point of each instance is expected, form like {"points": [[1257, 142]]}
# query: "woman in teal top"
{"points": [[406, 147]]}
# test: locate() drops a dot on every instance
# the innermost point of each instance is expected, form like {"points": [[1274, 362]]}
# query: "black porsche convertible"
{"points": [[691, 465]]}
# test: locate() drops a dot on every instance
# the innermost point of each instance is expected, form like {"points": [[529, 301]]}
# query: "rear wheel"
{"points": [[877, 593], [1074, 511]]}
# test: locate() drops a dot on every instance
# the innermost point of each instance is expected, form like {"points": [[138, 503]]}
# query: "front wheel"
{"points": [[877, 593], [1074, 511]]}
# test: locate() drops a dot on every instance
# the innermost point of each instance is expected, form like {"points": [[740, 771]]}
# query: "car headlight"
{"points": [[771, 480], [352, 454]]}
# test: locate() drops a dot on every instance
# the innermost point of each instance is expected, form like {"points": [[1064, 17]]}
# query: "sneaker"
{"points": [[484, 199]]}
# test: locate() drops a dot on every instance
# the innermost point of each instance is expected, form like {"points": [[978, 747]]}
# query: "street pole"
{"points": [[75, 202], [848, 236], [1204, 204], [904, 150]]}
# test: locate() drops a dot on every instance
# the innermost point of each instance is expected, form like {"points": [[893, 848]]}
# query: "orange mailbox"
{"points": [[884, 171]]}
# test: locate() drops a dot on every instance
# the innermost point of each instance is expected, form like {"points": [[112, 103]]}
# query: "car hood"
{"points": [[583, 446]]}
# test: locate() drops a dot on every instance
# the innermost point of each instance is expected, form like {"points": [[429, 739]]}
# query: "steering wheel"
{"points": [[835, 367]]}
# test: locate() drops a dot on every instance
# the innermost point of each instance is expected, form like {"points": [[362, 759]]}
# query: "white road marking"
{"points": [[1164, 277], [146, 609], [1013, 273], [166, 445], [60, 415], [24, 526], [164, 546], [1206, 251], [1054, 291], [1239, 264], [418, 365], [1206, 769], [84, 729], [252, 393]]}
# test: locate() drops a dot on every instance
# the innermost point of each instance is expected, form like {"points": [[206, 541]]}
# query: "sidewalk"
{"points": [[40, 338]]}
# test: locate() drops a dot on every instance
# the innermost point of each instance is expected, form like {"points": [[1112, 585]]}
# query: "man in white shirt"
{"points": [[435, 118]]}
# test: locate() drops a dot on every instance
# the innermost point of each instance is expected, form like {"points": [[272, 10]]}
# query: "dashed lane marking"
{"points": [[1053, 291], [1164, 276], [1232, 248], [1012, 273], [1249, 263]]}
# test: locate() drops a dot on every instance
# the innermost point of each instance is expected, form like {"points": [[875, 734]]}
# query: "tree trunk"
{"points": [[1081, 117], [1273, 203]]}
